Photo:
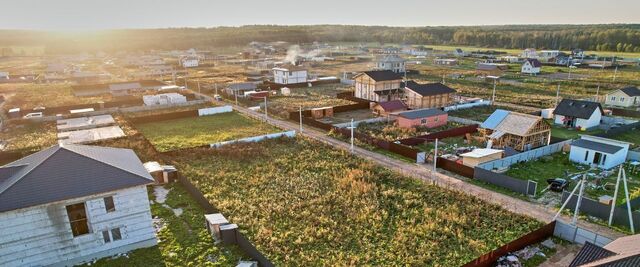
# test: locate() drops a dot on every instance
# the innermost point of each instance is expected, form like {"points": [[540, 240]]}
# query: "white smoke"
{"points": [[292, 54]]}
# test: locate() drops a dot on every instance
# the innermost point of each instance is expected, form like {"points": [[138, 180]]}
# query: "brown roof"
{"points": [[393, 105], [517, 123]]}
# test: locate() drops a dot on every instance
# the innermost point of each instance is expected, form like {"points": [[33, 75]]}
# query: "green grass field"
{"points": [[196, 131], [567, 133]]}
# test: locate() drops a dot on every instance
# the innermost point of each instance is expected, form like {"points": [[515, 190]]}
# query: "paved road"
{"points": [[421, 172]]}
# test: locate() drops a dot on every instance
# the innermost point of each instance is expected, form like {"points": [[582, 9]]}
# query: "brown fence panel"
{"points": [[356, 106], [625, 112], [454, 167], [412, 141], [166, 116], [536, 236]]}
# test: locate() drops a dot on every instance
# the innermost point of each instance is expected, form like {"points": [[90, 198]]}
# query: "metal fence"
{"points": [[601, 211], [531, 238], [460, 131], [455, 167], [578, 235], [525, 187], [524, 156]]}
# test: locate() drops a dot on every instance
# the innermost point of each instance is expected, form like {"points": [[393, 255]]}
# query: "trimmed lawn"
{"points": [[629, 136], [556, 165], [567, 133], [304, 203], [196, 131]]}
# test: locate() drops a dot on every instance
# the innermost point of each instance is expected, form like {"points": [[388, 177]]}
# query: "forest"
{"points": [[608, 37]]}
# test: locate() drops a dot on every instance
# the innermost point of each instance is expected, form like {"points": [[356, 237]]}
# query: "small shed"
{"points": [[385, 108], [285, 91], [162, 174], [598, 151], [480, 155], [14, 113]]}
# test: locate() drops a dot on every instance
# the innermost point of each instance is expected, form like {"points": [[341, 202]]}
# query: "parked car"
{"points": [[557, 184], [217, 97], [33, 115]]}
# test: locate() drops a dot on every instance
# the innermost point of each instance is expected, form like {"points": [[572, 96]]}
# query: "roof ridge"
{"points": [[106, 163]]}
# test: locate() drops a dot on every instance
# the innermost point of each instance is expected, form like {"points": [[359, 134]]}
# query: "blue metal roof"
{"points": [[495, 119]]}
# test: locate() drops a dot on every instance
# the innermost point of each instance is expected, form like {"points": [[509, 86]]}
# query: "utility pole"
{"points": [[266, 116], [577, 209], [626, 196], [597, 91], [493, 96], [615, 196], [235, 93], [443, 82], [352, 134], [215, 85], [300, 119], [567, 200], [557, 94], [435, 156], [198, 87], [569, 77], [615, 72]]}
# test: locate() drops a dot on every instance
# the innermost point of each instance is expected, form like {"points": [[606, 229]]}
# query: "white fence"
{"points": [[467, 105], [524, 156], [214, 110], [578, 235], [255, 138], [356, 123], [633, 155]]}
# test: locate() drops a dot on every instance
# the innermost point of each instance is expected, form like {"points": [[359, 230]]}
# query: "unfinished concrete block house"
{"points": [[70, 204], [519, 131]]}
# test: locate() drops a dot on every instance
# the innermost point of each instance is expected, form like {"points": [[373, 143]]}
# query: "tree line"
{"points": [[613, 37]]}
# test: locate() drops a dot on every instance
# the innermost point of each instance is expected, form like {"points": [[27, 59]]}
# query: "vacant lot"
{"points": [[30, 137], [303, 203], [392, 132], [569, 133], [28, 96], [196, 131], [481, 113]]}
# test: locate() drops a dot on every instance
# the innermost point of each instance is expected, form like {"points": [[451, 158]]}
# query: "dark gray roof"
{"points": [[534, 62], [577, 108], [631, 91], [590, 253], [421, 113], [242, 86], [429, 88], [383, 75], [602, 147], [66, 172]]}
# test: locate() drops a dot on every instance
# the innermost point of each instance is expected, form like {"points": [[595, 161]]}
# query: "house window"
{"points": [[115, 234], [622, 99], [423, 121], [613, 98], [78, 219], [604, 159], [435, 119], [109, 206], [586, 155], [105, 237]]}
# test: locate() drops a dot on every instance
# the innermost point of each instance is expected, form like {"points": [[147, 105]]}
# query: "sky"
{"points": [[118, 14]]}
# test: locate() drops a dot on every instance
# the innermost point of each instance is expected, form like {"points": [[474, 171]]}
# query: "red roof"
{"points": [[392, 105]]}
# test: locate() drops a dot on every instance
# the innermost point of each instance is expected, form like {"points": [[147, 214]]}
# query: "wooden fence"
{"points": [[531, 238], [625, 112]]}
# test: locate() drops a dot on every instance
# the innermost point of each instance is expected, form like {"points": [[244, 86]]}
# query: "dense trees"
{"points": [[614, 37]]}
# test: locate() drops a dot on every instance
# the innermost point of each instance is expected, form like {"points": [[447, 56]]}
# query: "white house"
{"points": [[531, 66], [189, 62], [289, 75], [598, 151], [4, 75], [460, 53], [578, 114], [548, 54], [71, 204], [530, 53], [625, 97], [391, 62]]}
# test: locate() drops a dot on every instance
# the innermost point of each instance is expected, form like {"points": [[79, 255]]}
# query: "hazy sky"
{"points": [[103, 14]]}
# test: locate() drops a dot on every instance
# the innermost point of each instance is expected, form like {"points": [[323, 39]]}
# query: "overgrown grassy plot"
{"points": [[196, 131], [182, 241], [302, 203]]}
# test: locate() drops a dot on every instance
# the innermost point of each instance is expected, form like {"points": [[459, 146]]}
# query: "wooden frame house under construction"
{"points": [[519, 131]]}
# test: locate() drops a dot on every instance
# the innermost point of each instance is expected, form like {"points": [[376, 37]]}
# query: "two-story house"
{"points": [[378, 85], [391, 62], [289, 75]]}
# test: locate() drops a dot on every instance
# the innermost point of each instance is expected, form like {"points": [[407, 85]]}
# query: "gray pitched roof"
{"points": [[429, 89], [66, 172], [577, 108], [382, 75], [590, 253], [421, 113], [602, 147], [631, 91]]}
